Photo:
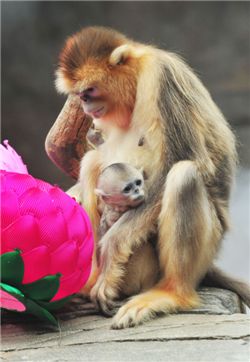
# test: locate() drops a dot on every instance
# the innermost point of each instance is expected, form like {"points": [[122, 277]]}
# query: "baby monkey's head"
{"points": [[121, 185]]}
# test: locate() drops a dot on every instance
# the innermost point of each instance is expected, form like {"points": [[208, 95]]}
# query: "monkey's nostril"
{"points": [[84, 97], [88, 93]]}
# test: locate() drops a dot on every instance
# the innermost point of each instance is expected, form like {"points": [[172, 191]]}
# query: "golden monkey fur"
{"points": [[135, 91]]}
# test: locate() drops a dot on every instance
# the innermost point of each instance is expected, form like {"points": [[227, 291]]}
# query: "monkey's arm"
{"points": [[66, 141], [104, 225]]}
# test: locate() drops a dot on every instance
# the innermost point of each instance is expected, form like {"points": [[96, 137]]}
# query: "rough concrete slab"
{"points": [[218, 331], [179, 351]]}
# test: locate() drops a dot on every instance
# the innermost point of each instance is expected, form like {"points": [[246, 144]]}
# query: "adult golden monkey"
{"points": [[156, 115]]}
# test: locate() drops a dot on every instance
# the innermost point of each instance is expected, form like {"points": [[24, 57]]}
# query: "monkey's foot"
{"points": [[103, 295], [146, 306]]}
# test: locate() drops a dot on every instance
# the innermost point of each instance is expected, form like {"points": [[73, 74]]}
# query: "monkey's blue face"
{"points": [[93, 102], [116, 189]]}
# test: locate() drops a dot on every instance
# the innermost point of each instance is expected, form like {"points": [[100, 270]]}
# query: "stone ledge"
{"points": [[218, 331]]}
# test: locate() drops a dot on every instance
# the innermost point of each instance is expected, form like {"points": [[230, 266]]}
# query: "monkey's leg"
{"points": [[142, 271], [116, 248], [89, 173], [189, 233]]}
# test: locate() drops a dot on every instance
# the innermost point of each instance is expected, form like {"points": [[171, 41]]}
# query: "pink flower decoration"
{"points": [[52, 231], [10, 160], [9, 302]]}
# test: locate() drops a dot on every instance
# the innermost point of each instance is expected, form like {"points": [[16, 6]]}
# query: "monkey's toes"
{"points": [[133, 313]]}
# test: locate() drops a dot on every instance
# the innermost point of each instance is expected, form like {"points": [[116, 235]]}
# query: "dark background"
{"points": [[213, 37]]}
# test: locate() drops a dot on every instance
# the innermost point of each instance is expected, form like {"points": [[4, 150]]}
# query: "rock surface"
{"points": [[218, 331]]}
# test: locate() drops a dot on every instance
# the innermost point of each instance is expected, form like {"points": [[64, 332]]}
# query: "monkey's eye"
{"points": [[138, 182], [127, 188], [121, 61]]}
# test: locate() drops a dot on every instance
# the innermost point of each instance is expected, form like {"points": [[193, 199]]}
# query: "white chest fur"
{"points": [[136, 146]]}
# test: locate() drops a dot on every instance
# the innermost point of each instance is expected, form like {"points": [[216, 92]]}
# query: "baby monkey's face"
{"points": [[121, 184]]}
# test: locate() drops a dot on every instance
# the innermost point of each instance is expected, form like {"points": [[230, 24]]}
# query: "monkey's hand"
{"points": [[103, 295]]}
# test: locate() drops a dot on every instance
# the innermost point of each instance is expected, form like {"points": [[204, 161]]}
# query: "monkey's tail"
{"points": [[218, 279]]}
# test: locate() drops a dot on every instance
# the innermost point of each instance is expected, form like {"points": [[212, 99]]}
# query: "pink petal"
{"points": [[77, 227], [22, 234], [85, 253], [43, 186], [36, 202], [36, 264], [62, 201], [85, 276], [69, 285], [10, 160], [63, 260], [9, 208], [17, 182], [53, 230], [7, 301]]}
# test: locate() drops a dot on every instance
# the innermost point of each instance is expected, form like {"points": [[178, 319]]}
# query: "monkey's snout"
{"points": [[87, 94], [85, 97]]}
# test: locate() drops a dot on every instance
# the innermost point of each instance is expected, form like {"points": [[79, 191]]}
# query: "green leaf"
{"points": [[12, 268], [40, 312], [12, 290], [43, 289], [51, 306], [31, 306]]}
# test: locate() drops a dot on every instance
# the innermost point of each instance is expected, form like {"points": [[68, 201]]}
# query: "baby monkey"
{"points": [[120, 187]]}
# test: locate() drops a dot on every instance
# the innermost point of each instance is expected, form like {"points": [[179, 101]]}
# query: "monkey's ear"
{"points": [[63, 85], [120, 54]]}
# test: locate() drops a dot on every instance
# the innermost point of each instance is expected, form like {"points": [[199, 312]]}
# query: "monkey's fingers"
{"points": [[66, 141], [103, 296], [105, 300], [106, 308]]}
